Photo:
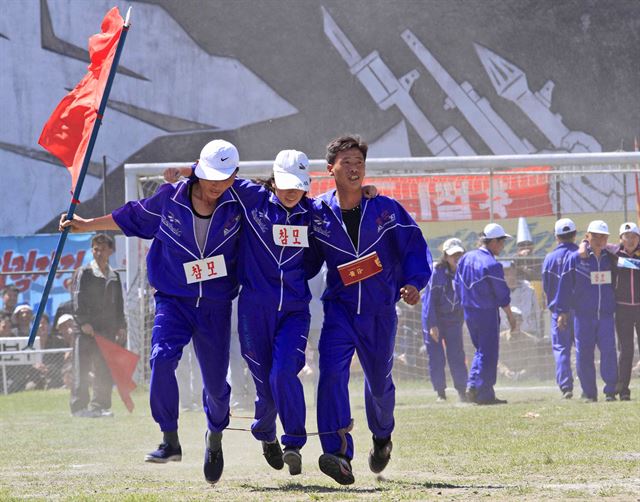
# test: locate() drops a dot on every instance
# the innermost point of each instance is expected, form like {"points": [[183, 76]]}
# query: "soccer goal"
{"points": [[453, 197]]}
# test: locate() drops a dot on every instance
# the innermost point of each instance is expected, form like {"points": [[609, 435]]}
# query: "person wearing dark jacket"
{"points": [[98, 310]]}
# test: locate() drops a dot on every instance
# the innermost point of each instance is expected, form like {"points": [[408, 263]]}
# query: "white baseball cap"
{"points": [[629, 226], [598, 227], [291, 170], [218, 160], [452, 246], [495, 231], [64, 318], [564, 226]]}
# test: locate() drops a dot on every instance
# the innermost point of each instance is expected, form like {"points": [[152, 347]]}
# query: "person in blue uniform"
{"points": [[627, 288], [586, 287], [191, 264], [483, 291], [561, 339], [273, 308], [375, 255], [442, 320]]}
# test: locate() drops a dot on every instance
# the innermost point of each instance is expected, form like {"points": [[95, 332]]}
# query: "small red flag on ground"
{"points": [[66, 134], [122, 363]]}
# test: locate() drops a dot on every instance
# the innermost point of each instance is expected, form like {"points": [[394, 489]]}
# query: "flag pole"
{"points": [[83, 171]]}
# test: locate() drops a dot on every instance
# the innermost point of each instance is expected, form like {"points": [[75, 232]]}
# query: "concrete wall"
{"points": [[493, 76]]}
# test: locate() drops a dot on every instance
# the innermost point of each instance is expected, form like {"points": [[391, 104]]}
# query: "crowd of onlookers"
{"points": [[53, 369]]}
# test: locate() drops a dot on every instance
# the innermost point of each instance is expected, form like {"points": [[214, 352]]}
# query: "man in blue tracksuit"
{"points": [[442, 320], [561, 339], [586, 287], [191, 263], [375, 254], [483, 291]]}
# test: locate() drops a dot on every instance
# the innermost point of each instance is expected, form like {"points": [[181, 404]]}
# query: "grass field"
{"points": [[536, 447]]}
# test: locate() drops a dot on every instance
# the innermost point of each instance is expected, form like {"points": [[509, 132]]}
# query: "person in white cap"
{"points": [[586, 288], [561, 339], [483, 291], [442, 320], [627, 288], [192, 265]]}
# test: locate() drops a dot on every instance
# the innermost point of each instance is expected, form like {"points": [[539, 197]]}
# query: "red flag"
{"points": [[66, 134], [122, 363]]}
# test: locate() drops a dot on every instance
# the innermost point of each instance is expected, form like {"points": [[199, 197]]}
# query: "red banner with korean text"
{"points": [[461, 197]]}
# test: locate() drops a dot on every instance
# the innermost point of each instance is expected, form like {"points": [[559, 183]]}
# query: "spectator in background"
{"points": [[586, 287], [6, 328], [9, 299], [22, 317], [53, 363], [524, 297], [99, 310], [66, 332], [483, 291], [442, 320], [561, 339]]}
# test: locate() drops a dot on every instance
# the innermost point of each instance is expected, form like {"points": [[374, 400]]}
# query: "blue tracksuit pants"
{"points": [[450, 342], [178, 321], [484, 329], [561, 342], [372, 336], [273, 345], [591, 332]]}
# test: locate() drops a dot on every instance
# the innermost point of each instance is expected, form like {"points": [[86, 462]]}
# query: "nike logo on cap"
{"points": [[301, 166], [223, 158]]}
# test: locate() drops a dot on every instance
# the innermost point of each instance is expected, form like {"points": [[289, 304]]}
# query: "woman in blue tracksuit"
{"points": [[191, 264], [273, 307], [442, 320]]}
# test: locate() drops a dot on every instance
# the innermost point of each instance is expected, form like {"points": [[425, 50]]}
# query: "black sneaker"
{"points": [[293, 458], [273, 453], [488, 402], [472, 395], [610, 397], [337, 467], [625, 397], [567, 394], [213, 458], [165, 453], [462, 396], [380, 454], [442, 396]]}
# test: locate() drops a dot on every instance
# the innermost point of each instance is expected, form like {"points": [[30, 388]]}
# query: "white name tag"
{"points": [[213, 267], [290, 236], [601, 277]]}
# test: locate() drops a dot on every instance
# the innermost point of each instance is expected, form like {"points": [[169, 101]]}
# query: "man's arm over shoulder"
{"points": [[141, 218]]}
